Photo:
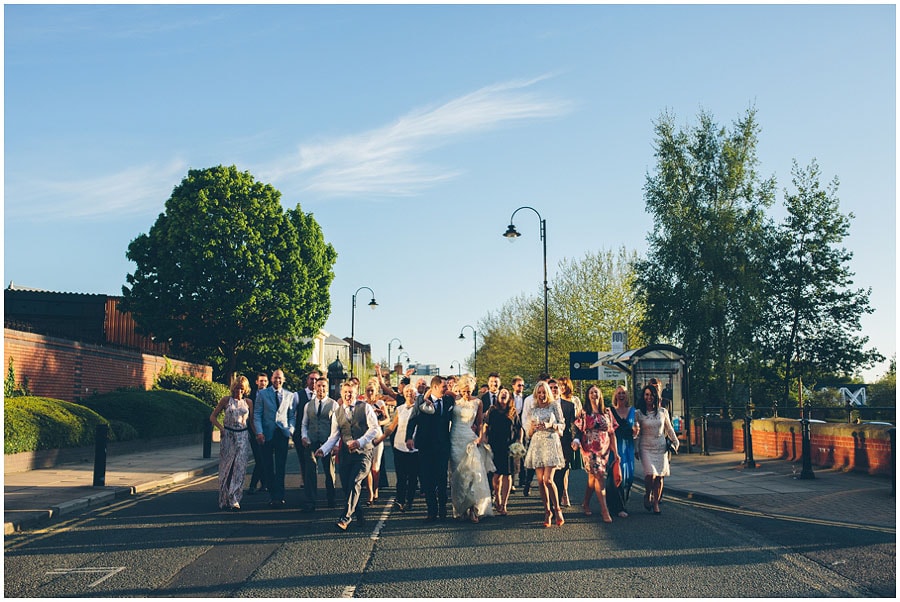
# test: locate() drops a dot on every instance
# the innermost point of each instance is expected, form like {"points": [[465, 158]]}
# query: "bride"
{"points": [[470, 462]]}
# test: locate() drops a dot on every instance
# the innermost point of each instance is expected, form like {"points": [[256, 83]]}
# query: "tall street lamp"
{"points": [[373, 304], [390, 365], [458, 367], [462, 337], [512, 234]]}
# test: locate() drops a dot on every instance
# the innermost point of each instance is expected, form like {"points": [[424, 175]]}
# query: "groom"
{"points": [[428, 430]]}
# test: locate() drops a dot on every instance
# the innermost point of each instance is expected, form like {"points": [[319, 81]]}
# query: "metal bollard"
{"points": [[101, 436], [893, 433], [806, 472], [207, 439], [749, 462]]}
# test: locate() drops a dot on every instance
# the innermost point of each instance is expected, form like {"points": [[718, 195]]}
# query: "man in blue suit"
{"points": [[274, 420]]}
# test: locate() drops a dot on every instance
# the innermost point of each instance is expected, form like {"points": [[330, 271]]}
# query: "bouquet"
{"points": [[517, 450]]}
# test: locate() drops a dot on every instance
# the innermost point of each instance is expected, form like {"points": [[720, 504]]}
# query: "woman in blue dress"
{"points": [[617, 497]]}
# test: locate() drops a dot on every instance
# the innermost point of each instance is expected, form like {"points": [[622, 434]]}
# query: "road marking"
{"points": [[348, 591], [109, 570], [384, 516], [784, 517]]}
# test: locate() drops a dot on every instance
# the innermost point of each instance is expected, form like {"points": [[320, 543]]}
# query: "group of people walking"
{"points": [[444, 438]]}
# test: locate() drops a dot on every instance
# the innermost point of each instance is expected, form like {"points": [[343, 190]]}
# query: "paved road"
{"points": [[175, 542]]}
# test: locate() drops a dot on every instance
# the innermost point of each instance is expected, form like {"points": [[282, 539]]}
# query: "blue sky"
{"points": [[413, 132]]}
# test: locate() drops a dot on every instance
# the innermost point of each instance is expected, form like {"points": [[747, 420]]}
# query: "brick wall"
{"points": [[69, 370], [860, 447]]}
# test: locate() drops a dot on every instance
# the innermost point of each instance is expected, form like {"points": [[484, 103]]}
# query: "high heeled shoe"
{"points": [[560, 521], [547, 517]]}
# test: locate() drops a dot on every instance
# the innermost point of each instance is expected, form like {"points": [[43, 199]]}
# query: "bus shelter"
{"points": [[667, 364]]}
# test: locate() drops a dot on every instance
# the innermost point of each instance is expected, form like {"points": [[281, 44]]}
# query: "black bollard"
{"points": [[101, 436], [704, 426], [207, 439], [893, 433], [806, 472], [749, 462]]}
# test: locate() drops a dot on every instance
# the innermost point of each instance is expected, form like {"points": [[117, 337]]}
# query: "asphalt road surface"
{"points": [[175, 542]]}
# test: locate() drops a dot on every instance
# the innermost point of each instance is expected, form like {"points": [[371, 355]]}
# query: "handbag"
{"points": [[615, 468], [670, 447]]}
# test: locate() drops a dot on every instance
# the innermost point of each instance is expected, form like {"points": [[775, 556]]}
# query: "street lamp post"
{"points": [[474, 346], [373, 304], [390, 365], [402, 353], [512, 234], [458, 367]]}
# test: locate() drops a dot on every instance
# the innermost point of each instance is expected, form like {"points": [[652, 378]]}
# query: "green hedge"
{"points": [[36, 423], [208, 392], [153, 413]]}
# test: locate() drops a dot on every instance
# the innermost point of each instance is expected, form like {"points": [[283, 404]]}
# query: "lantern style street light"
{"points": [[512, 234], [373, 304], [462, 337]]}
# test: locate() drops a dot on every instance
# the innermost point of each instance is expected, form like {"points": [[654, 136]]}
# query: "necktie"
{"points": [[318, 408], [493, 399], [437, 405]]}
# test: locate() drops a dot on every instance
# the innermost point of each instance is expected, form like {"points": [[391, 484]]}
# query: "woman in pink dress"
{"points": [[595, 430]]}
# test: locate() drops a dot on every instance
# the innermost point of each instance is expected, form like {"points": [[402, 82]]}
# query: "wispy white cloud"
{"points": [[384, 162], [389, 161], [139, 190]]}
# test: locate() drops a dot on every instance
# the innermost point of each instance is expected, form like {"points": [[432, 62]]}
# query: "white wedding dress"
{"points": [[469, 463]]}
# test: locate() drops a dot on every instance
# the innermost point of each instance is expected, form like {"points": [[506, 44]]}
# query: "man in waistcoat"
{"points": [[303, 397], [315, 429], [355, 425]]}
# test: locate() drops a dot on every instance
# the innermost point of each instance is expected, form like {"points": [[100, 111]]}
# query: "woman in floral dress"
{"points": [[234, 447], [596, 436]]}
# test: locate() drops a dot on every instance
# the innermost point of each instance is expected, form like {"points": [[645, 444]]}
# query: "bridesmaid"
{"points": [[502, 428], [623, 414], [234, 449], [596, 436], [545, 455]]}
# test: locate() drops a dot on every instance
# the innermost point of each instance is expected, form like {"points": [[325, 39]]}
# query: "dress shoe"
{"points": [[276, 503], [343, 524]]}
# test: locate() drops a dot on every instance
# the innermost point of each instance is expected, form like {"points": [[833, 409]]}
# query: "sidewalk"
{"points": [[33, 497]]}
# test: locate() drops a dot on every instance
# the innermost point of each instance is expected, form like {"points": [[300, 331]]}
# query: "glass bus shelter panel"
{"points": [[668, 372]]}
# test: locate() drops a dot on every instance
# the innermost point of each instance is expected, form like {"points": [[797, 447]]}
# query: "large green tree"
{"points": [[230, 276], [813, 315], [590, 297], [703, 268]]}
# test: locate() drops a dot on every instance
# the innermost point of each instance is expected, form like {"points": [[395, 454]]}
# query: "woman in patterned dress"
{"points": [[654, 426], [596, 436], [234, 447], [545, 454]]}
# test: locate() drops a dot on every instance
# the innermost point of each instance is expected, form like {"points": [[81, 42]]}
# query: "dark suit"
{"points": [[568, 412], [432, 439], [302, 399]]}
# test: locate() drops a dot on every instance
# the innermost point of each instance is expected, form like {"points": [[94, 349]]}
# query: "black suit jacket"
{"points": [[432, 431], [486, 402]]}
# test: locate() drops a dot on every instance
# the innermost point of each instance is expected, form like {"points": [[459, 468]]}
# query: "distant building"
{"points": [[425, 369]]}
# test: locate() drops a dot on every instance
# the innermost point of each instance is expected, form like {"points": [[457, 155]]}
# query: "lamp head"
{"points": [[511, 233], [462, 337], [373, 304]]}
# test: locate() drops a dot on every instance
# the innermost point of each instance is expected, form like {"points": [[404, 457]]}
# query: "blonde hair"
{"points": [[243, 383], [565, 387], [465, 379], [548, 393]]}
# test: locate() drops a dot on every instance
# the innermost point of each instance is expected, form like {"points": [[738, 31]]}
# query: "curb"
{"points": [[103, 498]]}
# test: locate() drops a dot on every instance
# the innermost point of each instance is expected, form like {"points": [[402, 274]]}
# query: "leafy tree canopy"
{"points": [[230, 276]]}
